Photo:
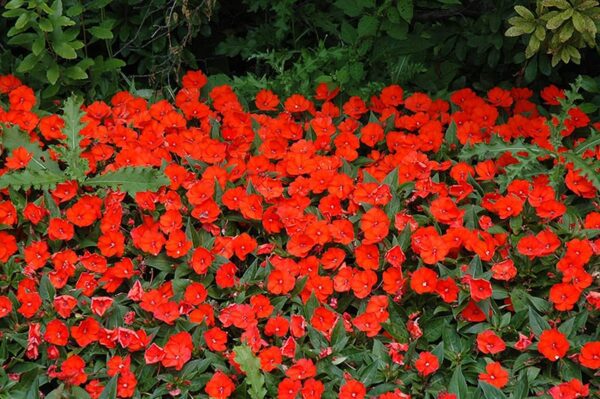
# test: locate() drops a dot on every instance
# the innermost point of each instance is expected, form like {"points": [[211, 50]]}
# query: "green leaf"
{"points": [[524, 13], [450, 136], [562, 4], [514, 31], [490, 391], [589, 169], [75, 73], [101, 33], [557, 20], [532, 47], [458, 384], [23, 180], [72, 114], [28, 63], [590, 143], [56, 393], [497, 147], [52, 74], [251, 366], [47, 290], [521, 390], [367, 26], [537, 322], [34, 389], [45, 25], [64, 50], [110, 390], [352, 8], [405, 8], [131, 179], [38, 45]]}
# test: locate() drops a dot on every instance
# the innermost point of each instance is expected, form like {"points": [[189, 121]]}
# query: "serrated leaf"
{"points": [[131, 179], [588, 169], [590, 144], [22, 180], [497, 147], [250, 364]]}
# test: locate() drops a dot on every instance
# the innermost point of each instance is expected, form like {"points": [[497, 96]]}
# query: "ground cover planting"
{"points": [[398, 246]]}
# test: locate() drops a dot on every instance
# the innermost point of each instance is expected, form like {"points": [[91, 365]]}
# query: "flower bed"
{"points": [[403, 247]]}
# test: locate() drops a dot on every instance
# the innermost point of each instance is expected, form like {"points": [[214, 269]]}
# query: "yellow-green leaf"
{"points": [[562, 4], [514, 31], [532, 47], [566, 32], [556, 21], [525, 13], [540, 33]]}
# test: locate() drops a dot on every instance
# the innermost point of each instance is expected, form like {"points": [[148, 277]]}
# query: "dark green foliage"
{"points": [[102, 46]]}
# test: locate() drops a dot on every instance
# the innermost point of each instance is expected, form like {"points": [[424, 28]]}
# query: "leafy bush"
{"points": [[99, 47], [560, 28], [63, 45], [408, 247], [425, 44]]}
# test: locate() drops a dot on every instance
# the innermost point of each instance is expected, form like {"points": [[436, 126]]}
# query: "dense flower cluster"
{"points": [[344, 242]]}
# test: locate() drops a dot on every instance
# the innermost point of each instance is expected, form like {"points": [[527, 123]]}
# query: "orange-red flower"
{"points": [[427, 363], [553, 344], [495, 375]]}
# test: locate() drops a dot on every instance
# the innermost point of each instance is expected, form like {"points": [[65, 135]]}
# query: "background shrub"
{"points": [[429, 45]]}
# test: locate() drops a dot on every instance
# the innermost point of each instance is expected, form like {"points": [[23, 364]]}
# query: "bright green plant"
{"points": [[560, 28]]}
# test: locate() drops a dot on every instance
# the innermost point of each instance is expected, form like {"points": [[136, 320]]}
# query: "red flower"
{"points": [[220, 386], [480, 289], [9, 246], [423, 280], [495, 375], [564, 296], [288, 388], [216, 339], [5, 306], [126, 384], [302, 369], [352, 389], [72, 371], [57, 333], [589, 356], [427, 363], [488, 342], [178, 350], [553, 344]]}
